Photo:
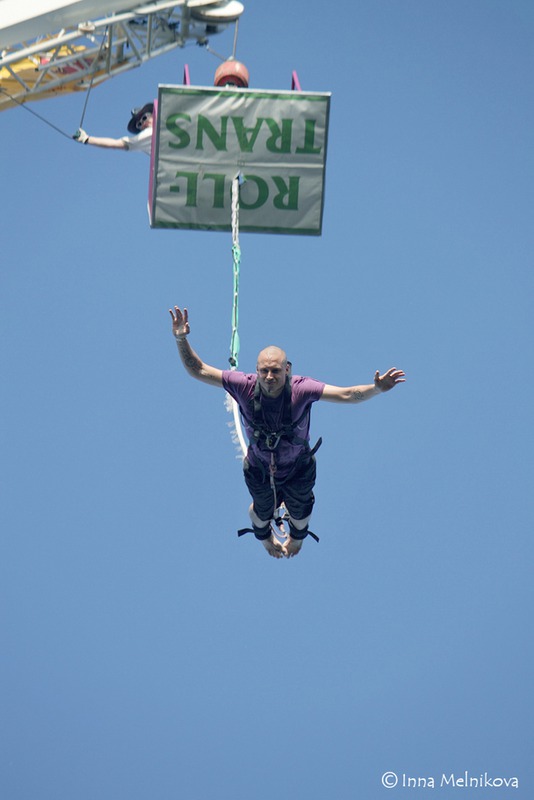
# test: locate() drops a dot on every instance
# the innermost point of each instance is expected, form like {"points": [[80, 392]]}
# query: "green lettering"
{"points": [[309, 137], [263, 192], [173, 127], [246, 144], [290, 192], [217, 139], [280, 139], [218, 188], [191, 187]]}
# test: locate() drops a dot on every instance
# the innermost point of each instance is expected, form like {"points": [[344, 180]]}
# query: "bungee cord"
{"points": [[236, 259], [280, 531], [237, 430]]}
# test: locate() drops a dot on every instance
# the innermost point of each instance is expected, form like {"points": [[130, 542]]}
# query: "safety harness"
{"points": [[265, 533], [263, 435]]}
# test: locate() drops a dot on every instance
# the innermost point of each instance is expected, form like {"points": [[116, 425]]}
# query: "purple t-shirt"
{"points": [[304, 392]]}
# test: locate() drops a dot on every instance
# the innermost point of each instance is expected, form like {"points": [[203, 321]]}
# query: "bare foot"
{"points": [[273, 547], [292, 547]]}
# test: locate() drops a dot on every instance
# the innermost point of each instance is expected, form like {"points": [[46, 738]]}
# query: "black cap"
{"points": [[137, 113]]}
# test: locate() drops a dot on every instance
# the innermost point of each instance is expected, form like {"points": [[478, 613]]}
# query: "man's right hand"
{"points": [[193, 364], [180, 323]]}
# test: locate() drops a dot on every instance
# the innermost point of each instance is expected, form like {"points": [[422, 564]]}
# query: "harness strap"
{"points": [[272, 440], [299, 535], [288, 427], [272, 473], [258, 532], [305, 456], [316, 446], [294, 533]]}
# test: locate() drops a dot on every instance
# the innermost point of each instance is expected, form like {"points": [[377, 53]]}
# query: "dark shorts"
{"points": [[296, 492]]}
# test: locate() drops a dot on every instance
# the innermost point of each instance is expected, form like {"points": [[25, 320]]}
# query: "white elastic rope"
{"points": [[277, 528], [234, 343]]}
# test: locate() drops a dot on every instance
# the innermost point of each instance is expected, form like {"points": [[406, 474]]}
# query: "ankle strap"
{"points": [[260, 533], [298, 535]]}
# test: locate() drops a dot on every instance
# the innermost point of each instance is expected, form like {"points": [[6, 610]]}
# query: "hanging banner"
{"points": [[275, 141]]}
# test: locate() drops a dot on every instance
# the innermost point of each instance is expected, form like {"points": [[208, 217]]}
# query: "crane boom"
{"points": [[49, 47]]}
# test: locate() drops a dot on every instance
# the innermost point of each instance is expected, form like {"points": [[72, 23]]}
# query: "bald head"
{"points": [[272, 369], [272, 351]]}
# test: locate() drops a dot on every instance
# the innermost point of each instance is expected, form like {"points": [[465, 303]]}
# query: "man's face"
{"points": [[144, 122], [272, 370]]}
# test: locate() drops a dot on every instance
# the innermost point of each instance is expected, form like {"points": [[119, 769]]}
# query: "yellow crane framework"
{"points": [[51, 47]]}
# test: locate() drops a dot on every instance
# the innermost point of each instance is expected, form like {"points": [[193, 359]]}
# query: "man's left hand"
{"points": [[389, 379]]}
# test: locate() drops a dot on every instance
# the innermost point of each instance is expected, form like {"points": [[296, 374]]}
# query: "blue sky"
{"points": [[147, 652]]}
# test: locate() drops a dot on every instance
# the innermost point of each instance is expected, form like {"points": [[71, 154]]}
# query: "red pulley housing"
{"points": [[231, 73]]}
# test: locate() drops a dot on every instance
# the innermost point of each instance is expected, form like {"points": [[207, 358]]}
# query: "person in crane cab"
{"points": [[230, 73], [280, 464], [140, 126]]}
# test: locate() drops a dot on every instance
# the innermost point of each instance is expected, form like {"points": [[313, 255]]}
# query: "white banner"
{"points": [[276, 142]]}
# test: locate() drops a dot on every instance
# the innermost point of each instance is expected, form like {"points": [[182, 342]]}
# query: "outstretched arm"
{"points": [[357, 394], [193, 364], [99, 141]]}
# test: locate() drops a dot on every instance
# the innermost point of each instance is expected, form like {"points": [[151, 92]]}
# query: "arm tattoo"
{"points": [[356, 394], [190, 359]]}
